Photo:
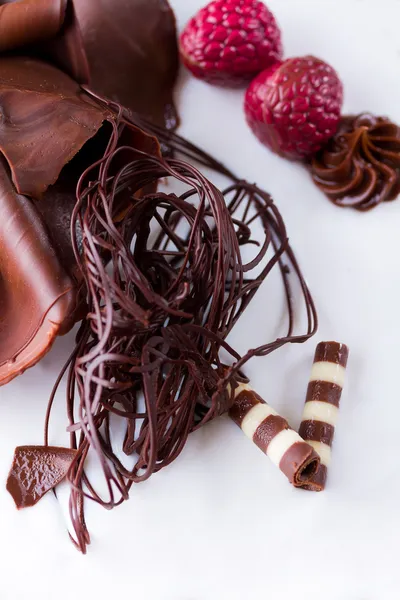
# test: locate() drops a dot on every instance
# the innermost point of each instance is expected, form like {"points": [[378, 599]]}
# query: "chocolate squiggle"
{"points": [[360, 166], [165, 286]]}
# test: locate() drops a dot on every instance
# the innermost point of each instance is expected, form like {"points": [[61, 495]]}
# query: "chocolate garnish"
{"points": [[360, 166], [160, 309], [50, 132], [29, 21], [273, 435], [320, 413], [37, 297], [126, 51], [46, 119], [35, 471]]}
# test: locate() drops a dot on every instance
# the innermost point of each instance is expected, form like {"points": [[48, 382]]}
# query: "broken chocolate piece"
{"points": [[126, 51], [46, 119], [37, 297], [35, 471], [51, 131]]}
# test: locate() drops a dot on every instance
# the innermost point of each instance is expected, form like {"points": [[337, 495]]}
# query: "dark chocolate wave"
{"points": [[360, 166]]}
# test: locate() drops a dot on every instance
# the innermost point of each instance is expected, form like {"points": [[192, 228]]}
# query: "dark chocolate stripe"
{"points": [[243, 403], [268, 429], [318, 481], [324, 391], [317, 431], [332, 352], [299, 463]]}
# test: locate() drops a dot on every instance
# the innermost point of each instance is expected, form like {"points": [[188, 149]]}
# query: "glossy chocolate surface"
{"points": [[37, 297], [360, 165], [46, 119], [126, 51], [29, 21], [45, 145]]}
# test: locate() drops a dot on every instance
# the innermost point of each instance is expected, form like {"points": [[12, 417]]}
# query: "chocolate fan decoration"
{"points": [[47, 121], [124, 50]]}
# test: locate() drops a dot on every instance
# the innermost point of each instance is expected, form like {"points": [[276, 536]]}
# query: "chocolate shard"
{"points": [[50, 132], [36, 470], [131, 52], [126, 51], [46, 119], [37, 297]]}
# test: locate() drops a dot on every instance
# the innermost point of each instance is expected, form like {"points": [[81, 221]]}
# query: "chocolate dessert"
{"points": [[360, 166], [126, 51], [50, 132], [157, 280]]}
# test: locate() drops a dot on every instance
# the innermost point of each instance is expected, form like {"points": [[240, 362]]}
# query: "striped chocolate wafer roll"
{"points": [[272, 434], [322, 404]]}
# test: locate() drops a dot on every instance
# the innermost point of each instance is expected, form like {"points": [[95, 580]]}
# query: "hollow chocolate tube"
{"points": [[322, 404], [272, 434]]}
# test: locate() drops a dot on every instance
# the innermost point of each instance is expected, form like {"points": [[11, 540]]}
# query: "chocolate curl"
{"points": [[322, 404], [30, 21], [36, 470], [273, 435]]}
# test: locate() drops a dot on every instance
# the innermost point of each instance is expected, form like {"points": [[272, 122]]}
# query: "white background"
{"points": [[222, 523]]}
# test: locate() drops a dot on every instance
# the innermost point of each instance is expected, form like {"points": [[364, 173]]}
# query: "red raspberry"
{"points": [[229, 41], [294, 107]]}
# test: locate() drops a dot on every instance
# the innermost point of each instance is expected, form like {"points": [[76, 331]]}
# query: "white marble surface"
{"points": [[222, 523]]}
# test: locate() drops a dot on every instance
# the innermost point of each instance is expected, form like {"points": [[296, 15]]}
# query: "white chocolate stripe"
{"points": [[314, 410], [328, 371], [255, 417], [281, 444], [323, 450]]}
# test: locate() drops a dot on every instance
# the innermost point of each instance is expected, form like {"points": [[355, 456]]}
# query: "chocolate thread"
{"points": [[166, 282]]}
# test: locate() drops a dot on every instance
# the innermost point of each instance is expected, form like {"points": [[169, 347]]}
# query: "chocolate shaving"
{"points": [[360, 166], [36, 470], [165, 286]]}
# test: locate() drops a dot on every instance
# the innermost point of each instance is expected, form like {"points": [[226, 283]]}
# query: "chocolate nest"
{"points": [[166, 282]]}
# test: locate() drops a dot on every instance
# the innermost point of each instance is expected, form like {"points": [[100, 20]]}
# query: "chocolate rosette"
{"points": [[360, 166]]}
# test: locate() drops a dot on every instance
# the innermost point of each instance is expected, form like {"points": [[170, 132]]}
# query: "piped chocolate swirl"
{"points": [[360, 166]]}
